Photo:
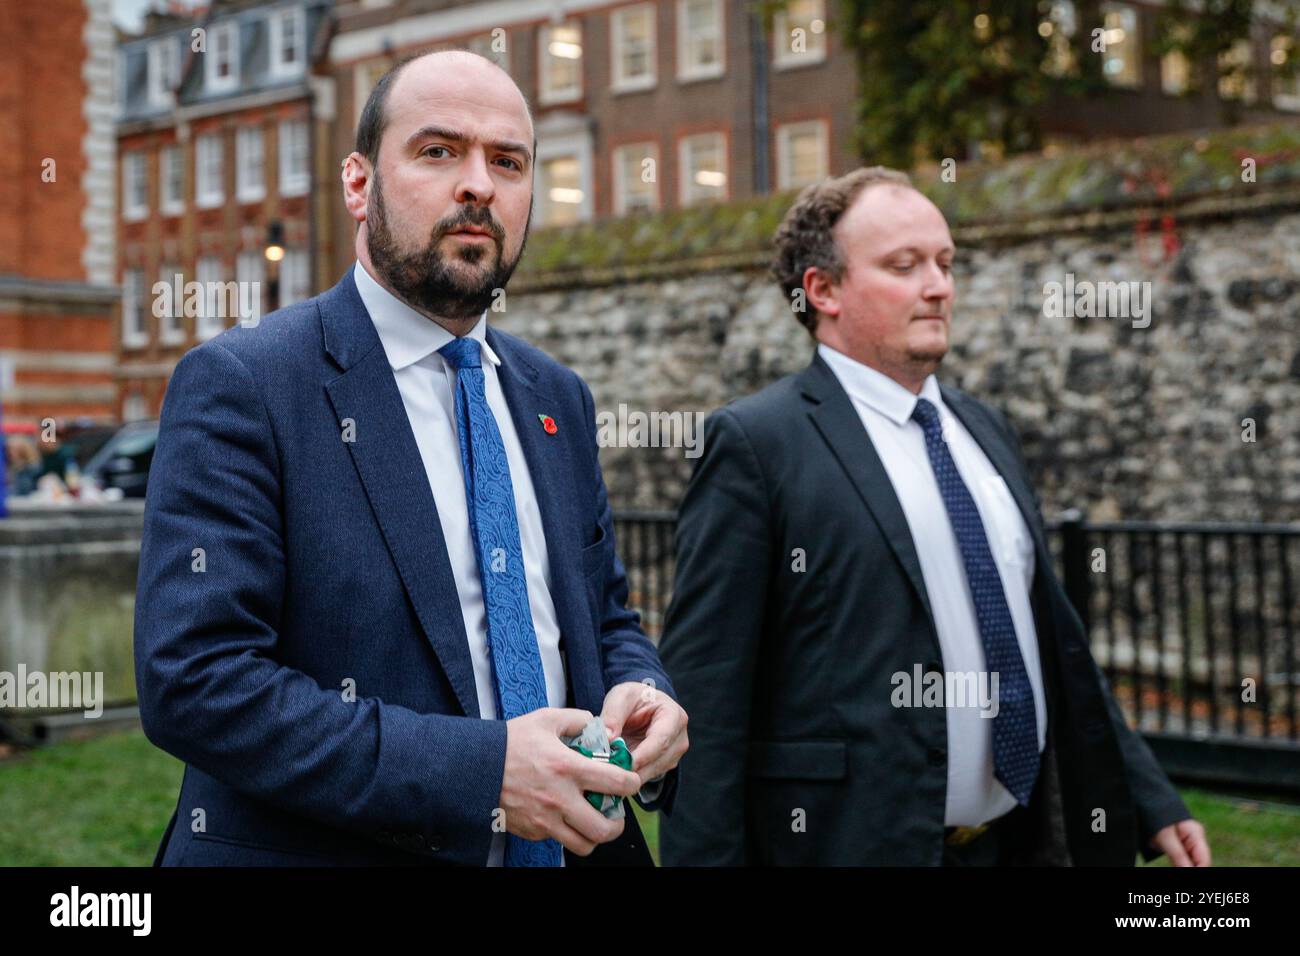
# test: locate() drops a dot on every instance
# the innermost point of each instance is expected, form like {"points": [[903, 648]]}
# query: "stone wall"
{"points": [[675, 312]]}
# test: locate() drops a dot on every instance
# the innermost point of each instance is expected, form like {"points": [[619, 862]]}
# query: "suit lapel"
{"points": [[388, 461], [833, 415], [550, 470]]}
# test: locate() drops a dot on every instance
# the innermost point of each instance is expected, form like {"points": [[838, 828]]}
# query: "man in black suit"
{"points": [[880, 663]]}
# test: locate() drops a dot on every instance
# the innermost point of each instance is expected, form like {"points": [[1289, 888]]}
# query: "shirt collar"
{"points": [[408, 336], [876, 389]]}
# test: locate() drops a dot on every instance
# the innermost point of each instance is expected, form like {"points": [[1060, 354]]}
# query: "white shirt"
{"points": [[885, 407], [427, 385]]}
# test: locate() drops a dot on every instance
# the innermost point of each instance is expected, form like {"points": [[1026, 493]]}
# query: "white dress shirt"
{"points": [[427, 385], [885, 407]]}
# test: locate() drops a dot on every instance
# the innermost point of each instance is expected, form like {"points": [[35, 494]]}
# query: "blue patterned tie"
{"points": [[1015, 728], [518, 679]]}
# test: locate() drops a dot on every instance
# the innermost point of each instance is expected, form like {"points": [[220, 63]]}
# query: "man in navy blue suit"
{"points": [[378, 580]]}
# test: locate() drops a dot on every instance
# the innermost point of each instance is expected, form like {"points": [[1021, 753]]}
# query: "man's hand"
{"points": [[652, 724], [1184, 842], [542, 788]]}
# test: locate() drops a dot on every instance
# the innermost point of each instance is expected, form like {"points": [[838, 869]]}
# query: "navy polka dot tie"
{"points": [[1015, 728]]}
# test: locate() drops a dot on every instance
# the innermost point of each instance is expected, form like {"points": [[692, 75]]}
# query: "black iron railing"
{"points": [[1194, 625]]}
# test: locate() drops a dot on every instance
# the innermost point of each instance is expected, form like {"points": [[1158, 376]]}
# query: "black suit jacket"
{"points": [[797, 755]]}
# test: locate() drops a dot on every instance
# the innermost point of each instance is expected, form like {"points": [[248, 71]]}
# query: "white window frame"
{"points": [[546, 94], [214, 82], [280, 68], [168, 157], [170, 330], [783, 58], [135, 330], [295, 277], [162, 72], [250, 164], [688, 72], [207, 323], [645, 150], [1133, 49], [135, 193], [619, 82], [685, 180], [294, 181], [784, 133], [209, 192]]}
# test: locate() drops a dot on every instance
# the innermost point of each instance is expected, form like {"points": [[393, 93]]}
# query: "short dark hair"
{"points": [[805, 237], [370, 127]]}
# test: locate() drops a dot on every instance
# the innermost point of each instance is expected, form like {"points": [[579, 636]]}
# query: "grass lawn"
{"points": [[105, 802]]}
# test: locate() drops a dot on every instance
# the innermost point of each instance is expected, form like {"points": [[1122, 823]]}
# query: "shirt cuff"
{"points": [[651, 790]]}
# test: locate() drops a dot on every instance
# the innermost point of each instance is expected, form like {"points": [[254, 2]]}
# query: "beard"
{"points": [[431, 281]]}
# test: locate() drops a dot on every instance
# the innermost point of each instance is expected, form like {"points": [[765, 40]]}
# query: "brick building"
{"points": [[57, 290], [221, 117]]}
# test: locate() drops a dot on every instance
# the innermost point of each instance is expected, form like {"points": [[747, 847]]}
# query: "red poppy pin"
{"points": [[548, 423]]}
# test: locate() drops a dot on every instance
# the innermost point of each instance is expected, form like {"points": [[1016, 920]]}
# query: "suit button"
{"points": [[936, 756]]}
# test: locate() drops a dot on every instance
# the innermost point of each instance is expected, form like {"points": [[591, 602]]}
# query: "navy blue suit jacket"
{"points": [[298, 635]]}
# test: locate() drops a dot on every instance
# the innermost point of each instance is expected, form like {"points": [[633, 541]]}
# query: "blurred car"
{"points": [[124, 459]]}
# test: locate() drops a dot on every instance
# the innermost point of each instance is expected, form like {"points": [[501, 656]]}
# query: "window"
{"points": [[483, 46], [163, 71], [134, 408], [1286, 89], [134, 334], [801, 150], [295, 176], [209, 189], [636, 177], [288, 37], [135, 187], [1237, 73], [169, 324], [172, 180], [1175, 67], [1058, 29], [799, 34], [699, 39], [561, 62], [632, 49], [222, 58], [561, 192], [703, 164], [250, 267], [1121, 61], [213, 300], [364, 78], [295, 277], [250, 182]]}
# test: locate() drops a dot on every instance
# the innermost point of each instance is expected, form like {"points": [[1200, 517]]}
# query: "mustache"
{"points": [[479, 221]]}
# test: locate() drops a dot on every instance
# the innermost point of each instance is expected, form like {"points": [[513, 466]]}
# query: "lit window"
{"points": [[1175, 67], [636, 177], [1058, 28], [1237, 73], [699, 39], [799, 34], [703, 164], [561, 59], [1121, 61], [561, 192], [801, 154], [633, 47], [1286, 88]]}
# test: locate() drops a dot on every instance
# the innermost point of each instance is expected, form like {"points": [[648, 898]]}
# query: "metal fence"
{"points": [[1194, 625]]}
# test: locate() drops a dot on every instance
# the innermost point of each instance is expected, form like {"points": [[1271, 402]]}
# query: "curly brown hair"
{"points": [[805, 237]]}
